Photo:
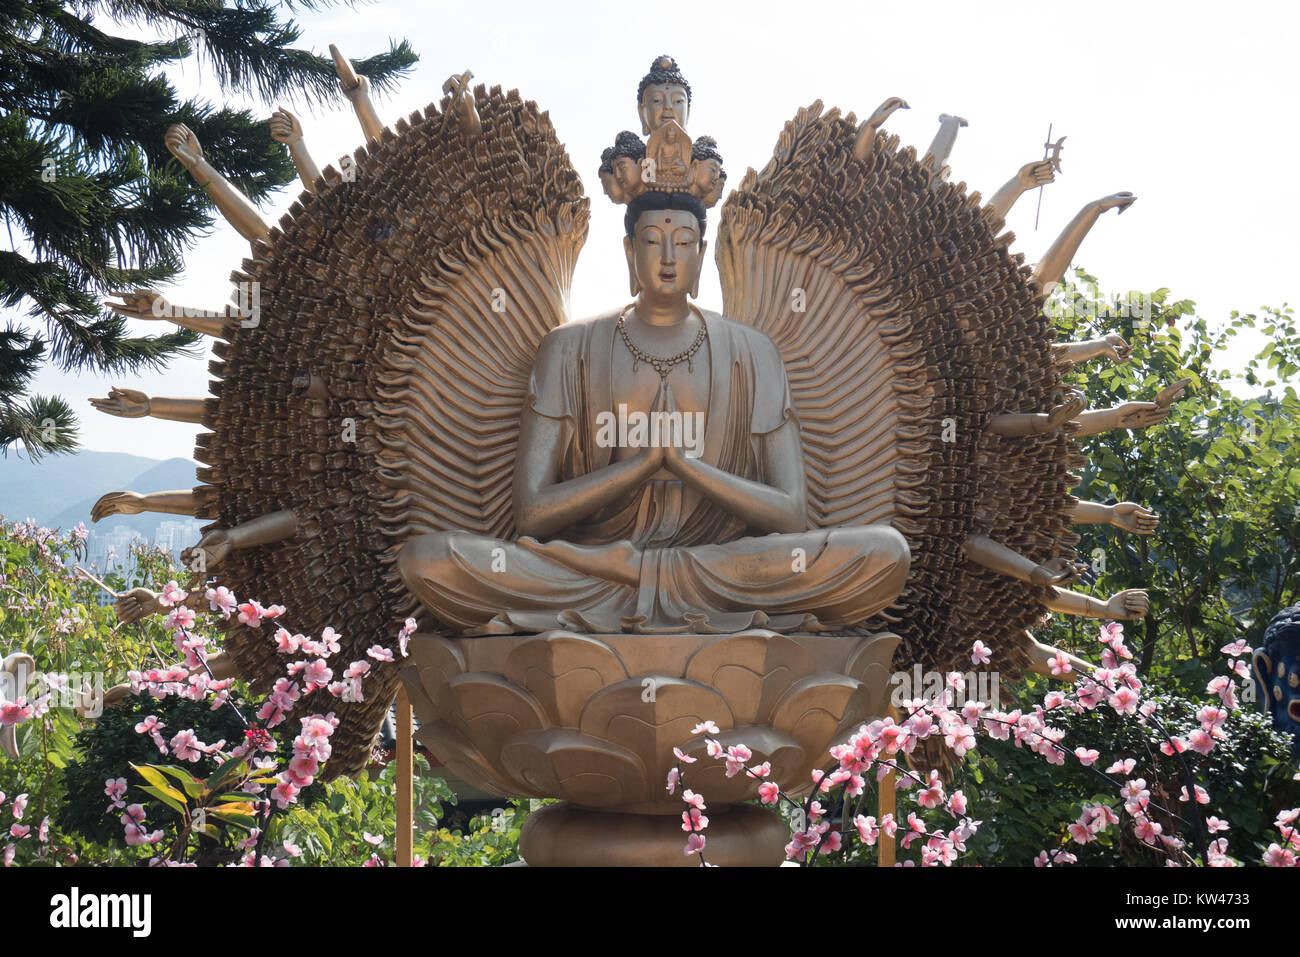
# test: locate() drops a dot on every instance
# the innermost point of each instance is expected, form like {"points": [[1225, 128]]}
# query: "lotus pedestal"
{"points": [[593, 720]]}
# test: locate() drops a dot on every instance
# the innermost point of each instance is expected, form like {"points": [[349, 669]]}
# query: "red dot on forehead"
{"points": [[668, 219]]}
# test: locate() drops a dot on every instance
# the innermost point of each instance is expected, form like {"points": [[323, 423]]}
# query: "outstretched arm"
{"points": [[286, 129], [134, 404], [213, 547], [357, 89], [941, 146], [1038, 423], [1060, 254], [997, 557], [147, 304], [1128, 604], [178, 502], [1129, 516], [1042, 657], [1111, 345], [1132, 415], [237, 208]]}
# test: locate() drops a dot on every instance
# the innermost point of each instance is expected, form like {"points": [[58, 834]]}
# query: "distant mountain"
{"points": [[59, 490]]}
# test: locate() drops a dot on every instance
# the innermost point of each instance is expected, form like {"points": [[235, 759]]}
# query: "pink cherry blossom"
{"points": [[14, 712], [1060, 664], [251, 614], [172, 594], [379, 653], [705, 727], [694, 820], [769, 792], [1124, 701], [1277, 856], [1146, 829], [980, 653], [186, 746], [180, 617], [287, 643], [694, 843], [221, 599]]}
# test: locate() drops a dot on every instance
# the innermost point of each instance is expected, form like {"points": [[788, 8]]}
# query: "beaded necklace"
{"points": [[660, 364]]}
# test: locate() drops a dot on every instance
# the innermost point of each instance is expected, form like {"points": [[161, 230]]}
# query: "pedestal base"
{"points": [[562, 835]]}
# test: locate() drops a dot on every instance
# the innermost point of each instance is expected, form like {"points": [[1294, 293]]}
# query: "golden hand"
{"points": [[885, 110], [1133, 517], [1172, 393], [117, 503], [184, 145], [866, 139], [1128, 604], [136, 604], [125, 403], [674, 456], [285, 127], [1139, 415], [1035, 174], [1120, 201], [1074, 403], [210, 551], [1116, 348], [1057, 571], [140, 304]]}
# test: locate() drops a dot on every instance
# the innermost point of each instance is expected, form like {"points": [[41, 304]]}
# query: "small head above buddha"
{"points": [[620, 167], [663, 95], [707, 175], [669, 162]]}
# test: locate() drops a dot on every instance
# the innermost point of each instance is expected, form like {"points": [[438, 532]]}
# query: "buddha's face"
{"points": [[666, 254], [661, 102]]}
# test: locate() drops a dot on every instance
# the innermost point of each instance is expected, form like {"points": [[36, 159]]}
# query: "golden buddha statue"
{"points": [[695, 522], [871, 435]]}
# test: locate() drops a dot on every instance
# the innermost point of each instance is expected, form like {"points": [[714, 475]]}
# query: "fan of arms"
{"points": [[377, 379]]}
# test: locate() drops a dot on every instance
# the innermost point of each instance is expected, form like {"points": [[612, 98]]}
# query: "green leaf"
{"points": [[192, 785], [155, 777], [245, 821], [230, 771], [171, 797]]}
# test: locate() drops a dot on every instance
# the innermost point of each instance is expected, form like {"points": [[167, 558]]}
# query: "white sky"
{"points": [[1188, 105]]}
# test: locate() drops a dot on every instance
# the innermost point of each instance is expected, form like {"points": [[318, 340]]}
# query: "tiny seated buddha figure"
{"points": [[659, 478]]}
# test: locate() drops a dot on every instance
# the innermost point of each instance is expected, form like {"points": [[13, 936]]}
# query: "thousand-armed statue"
{"points": [[869, 441]]}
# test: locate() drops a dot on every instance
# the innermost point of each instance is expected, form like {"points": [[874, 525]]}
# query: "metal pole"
{"points": [[887, 806], [404, 779]]}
